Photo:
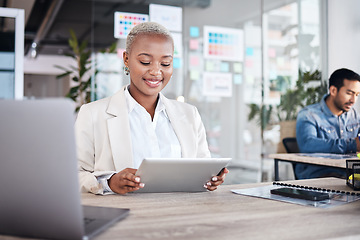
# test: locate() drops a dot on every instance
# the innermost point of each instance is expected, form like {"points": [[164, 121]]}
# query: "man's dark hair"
{"points": [[337, 78]]}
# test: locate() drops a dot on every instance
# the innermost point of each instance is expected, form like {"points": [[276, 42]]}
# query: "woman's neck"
{"points": [[148, 102]]}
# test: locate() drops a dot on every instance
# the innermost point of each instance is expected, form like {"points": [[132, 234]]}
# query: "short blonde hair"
{"points": [[147, 28]]}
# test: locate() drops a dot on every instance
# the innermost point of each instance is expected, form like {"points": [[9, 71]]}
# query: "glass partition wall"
{"points": [[7, 59], [224, 114], [11, 53], [233, 58]]}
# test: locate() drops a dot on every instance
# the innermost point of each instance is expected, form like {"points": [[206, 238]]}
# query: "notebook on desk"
{"points": [[39, 187], [339, 193]]}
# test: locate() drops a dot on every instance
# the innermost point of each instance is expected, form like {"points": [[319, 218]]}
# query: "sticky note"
{"points": [[237, 79], [250, 79], [177, 63], [194, 32], [194, 60], [249, 51], [194, 44], [209, 66], [280, 61], [194, 75], [272, 74], [272, 52], [224, 67], [249, 63], [237, 67], [213, 65]]}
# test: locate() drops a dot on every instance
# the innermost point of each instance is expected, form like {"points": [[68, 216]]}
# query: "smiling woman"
{"points": [[115, 134]]}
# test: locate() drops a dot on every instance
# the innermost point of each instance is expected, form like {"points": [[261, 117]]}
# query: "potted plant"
{"points": [[82, 73], [291, 102]]}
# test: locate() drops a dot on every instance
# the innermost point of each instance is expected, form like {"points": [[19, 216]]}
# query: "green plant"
{"points": [[82, 73], [261, 114], [292, 101]]}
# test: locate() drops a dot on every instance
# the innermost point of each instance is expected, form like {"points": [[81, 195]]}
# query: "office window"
{"points": [[11, 53]]}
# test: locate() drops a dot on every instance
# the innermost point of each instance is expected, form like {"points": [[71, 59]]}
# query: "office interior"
{"points": [[275, 39]]}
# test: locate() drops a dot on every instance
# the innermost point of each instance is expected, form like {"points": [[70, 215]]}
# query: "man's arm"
{"points": [[309, 141]]}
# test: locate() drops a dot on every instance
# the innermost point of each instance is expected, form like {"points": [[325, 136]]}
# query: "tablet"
{"points": [[178, 175]]}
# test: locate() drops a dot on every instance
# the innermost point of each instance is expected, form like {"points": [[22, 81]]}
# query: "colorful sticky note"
{"points": [[280, 61], [237, 67], [272, 52], [272, 74], [194, 75], [250, 79], [194, 44], [194, 32], [224, 67], [194, 60], [249, 63], [210, 66], [177, 63], [249, 51], [237, 79]]}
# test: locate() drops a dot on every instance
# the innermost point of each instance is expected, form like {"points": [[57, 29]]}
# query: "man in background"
{"points": [[330, 126]]}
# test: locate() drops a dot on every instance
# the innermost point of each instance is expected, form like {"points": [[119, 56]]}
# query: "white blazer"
{"points": [[103, 137]]}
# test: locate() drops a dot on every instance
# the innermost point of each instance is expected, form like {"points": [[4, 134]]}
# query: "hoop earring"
{"points": [[126, 70]]}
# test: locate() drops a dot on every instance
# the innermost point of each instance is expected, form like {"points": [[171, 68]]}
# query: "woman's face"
{"points": [[150, 64]]}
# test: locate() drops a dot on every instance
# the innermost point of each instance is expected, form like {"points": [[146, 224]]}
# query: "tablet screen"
{"points": [[180, 174]]}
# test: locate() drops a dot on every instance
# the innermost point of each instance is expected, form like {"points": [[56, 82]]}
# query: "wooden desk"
{"points": [[224, 215], [295, 158]]}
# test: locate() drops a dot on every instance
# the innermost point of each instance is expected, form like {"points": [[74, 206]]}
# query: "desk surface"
{"points": [[295, 157], [224, 215]]}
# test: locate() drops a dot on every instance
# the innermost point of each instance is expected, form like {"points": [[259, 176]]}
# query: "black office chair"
{"points": [[291, 146]]}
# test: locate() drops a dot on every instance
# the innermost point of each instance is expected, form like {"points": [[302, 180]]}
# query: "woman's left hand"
{"points": [[216, 180]]}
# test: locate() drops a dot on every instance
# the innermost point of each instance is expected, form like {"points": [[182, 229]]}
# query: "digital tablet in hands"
{"points": [[178, 175]]}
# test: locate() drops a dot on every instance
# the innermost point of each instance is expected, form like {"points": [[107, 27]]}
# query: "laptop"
{"points": [[178, 174], [40, 196]]}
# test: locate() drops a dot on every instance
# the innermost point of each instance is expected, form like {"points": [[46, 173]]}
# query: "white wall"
{"points": [[343, 35], [40, 76], [45, 64]]}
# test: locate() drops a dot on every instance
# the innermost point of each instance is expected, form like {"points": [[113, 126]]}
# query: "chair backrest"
{"points": [[291, 145]]}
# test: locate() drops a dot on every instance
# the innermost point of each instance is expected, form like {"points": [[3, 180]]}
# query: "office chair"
{"points": [[291, 146]]}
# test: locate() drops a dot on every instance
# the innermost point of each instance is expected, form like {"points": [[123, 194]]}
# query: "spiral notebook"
{"points": [[337, 189]]}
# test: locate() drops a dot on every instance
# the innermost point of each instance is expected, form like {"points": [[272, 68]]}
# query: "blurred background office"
{"points": [[234, 60]]}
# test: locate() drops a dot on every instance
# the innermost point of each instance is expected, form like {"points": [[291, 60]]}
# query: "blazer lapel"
{"points": [[119, 132], [182, 128]]}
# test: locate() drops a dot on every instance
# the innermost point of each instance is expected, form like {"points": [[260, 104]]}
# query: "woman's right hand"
{"points": [[125, 181]]}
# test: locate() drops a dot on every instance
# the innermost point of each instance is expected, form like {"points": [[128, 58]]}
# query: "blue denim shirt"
{"points": [[318, 130]]}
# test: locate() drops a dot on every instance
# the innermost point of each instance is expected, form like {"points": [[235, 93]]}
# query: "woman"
{"points": [[114, 134]]}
